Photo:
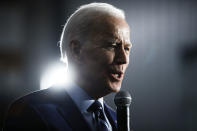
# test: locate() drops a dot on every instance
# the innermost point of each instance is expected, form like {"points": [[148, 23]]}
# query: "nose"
{"points": [[121, 56]]}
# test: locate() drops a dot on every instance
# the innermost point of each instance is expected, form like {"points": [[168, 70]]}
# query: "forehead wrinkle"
{"points": [[108, 27]]}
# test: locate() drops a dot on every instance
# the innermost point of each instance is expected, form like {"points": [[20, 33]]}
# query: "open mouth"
{"points": [[117, 76]]}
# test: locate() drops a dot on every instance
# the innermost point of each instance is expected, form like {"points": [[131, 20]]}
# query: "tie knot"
{"points": [[96, 106]]}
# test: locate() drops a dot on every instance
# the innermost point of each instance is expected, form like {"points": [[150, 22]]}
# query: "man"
{"points": [[96, 43]]}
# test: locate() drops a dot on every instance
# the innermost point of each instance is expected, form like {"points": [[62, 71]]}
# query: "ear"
{"points": [[75, 49]]}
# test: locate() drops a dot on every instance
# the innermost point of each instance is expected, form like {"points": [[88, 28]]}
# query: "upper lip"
{"points": [[116, 71]]}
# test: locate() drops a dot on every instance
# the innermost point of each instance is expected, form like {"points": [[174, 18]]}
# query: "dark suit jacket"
{"points": [[52, 110]]}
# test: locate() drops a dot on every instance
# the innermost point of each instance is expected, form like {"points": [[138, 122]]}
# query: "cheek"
{"points": [[106, 57], [101, 57]]}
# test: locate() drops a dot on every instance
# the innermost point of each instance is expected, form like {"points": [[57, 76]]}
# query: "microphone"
{"points": [[123, 101]]}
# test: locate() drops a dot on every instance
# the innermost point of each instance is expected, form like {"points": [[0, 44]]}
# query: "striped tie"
{"points": [[98, 115]]}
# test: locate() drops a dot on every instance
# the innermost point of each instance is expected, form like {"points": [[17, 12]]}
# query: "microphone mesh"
{"points": [[122, 98]]}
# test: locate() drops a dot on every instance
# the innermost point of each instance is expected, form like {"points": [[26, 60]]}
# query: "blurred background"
{"points": [[162, 76]]}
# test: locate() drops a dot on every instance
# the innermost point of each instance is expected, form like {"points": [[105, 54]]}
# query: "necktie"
{"points": [[97, 110]]}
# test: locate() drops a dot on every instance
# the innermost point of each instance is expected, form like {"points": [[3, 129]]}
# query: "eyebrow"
{"points": [[129, 45]]}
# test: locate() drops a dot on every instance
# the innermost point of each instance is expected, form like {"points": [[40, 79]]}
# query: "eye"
{"points": [[111, 45], [114, 45], [127, 48]]}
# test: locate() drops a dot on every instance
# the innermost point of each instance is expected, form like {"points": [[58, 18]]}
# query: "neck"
{"points": [[95, 91]]}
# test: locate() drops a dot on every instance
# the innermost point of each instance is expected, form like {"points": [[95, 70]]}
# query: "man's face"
{"points": [[105, 56]]}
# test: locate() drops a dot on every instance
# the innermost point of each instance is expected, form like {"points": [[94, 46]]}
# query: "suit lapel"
{"points": [[111, 115], [69, 111], [71, 114]]}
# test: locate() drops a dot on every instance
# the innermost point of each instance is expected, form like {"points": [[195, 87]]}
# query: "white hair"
{"points": [[78, 24]]}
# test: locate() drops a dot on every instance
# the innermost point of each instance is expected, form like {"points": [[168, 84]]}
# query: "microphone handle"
{"points": [[123, 118]]}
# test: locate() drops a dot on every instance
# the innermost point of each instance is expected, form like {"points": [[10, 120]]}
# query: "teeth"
{"points": [[116, 75]]}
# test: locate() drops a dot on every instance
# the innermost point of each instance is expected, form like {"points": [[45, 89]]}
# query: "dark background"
{"points": [[162, 77]]}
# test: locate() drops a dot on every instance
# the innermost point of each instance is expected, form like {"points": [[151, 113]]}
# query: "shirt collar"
{"points": [[81, 98]]}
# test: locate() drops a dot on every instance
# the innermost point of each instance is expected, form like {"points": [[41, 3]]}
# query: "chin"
{"points": [[115, 87]]}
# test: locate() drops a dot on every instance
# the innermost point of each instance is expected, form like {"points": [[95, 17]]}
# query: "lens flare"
{"points": [[57, 75]]}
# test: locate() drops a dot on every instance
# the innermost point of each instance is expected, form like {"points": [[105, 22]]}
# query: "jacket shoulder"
{"points": [[45, 96], [23, 112]]}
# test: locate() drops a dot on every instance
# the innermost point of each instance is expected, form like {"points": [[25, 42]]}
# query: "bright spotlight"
{"points": [[57, 75]]}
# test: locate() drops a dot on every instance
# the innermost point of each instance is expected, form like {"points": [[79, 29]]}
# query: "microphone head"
{"points": [[122, 98]]}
